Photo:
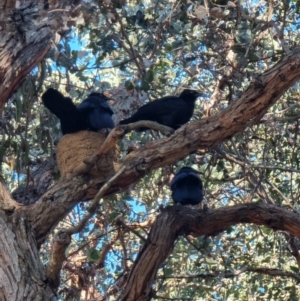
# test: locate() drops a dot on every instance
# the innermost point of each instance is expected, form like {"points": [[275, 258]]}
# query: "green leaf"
{"points": [[93, 254], [295, 269], [113, 215], [129, 85]]}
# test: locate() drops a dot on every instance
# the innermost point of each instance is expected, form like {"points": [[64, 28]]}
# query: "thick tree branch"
{"points": [[25, 39], [266, 271], [7, 204], [178, 220], [208, 132]]}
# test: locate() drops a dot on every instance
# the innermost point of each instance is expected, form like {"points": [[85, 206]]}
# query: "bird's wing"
{"points": [[184, 175], [160, 106], [100, 119], [177, 178], [107, 107], [63, 107]]}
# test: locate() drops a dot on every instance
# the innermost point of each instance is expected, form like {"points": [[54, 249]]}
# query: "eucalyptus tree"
{"points": [[81, 237]]}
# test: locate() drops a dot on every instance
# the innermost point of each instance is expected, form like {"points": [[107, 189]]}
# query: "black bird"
{"points": [[93, 113], [97, 112], [172, 111], [187, 187], [71, 119]]}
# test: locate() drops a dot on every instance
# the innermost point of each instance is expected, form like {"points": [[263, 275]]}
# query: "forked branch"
{"points": [[178, 220]]}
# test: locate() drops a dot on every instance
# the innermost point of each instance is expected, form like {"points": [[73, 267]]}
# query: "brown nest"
{"points": [[72, 149]]}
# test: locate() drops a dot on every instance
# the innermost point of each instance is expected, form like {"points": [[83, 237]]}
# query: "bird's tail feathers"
{"points": [[58, 104]]}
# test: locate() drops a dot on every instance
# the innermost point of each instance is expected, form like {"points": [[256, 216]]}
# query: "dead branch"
{"points": [[266, 271]]}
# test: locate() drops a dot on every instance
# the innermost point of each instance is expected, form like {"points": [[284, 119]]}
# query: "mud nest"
{"points": [[72, 149]]}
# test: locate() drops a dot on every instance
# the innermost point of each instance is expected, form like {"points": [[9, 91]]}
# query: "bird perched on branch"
{"points": [[171, 111], [92, 114], [97, 112], [187, 187]]}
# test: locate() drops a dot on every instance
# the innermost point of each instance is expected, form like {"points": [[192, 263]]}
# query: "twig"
{"points": [[279, 192], [269, 23], [267, 271], [114, 137], [92, 209], [101, 261], [87, 243], [121, 222], [242, 163], [131, 52], [124, 259], [291, 239]]}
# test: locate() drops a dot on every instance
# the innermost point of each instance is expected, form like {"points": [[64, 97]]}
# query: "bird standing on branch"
{"points": [[93, 114], [171, 111], [187, 187], [97, 112]]}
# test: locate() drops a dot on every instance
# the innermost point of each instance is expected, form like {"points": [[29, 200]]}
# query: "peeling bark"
{"points": [[26, 30], [22, 275]]}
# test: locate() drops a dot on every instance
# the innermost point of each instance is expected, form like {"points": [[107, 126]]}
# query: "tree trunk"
{"points": [[26, 29], [22, 275]]}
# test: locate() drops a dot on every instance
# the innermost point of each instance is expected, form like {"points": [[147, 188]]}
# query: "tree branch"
{"points": [[61, 241], [94, 206], [25, 40], [266, 271], [178, 220], [128, 228], [114, 137], [256, 100]]}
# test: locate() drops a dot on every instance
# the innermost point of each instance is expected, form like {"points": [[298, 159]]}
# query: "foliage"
{"points": [[137, 50]]}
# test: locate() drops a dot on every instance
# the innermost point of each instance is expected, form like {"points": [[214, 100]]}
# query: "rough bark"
{"points": [[178, 220], [26, 29], [249, 109], [61, 241], [38, 183], [22, 275]]}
